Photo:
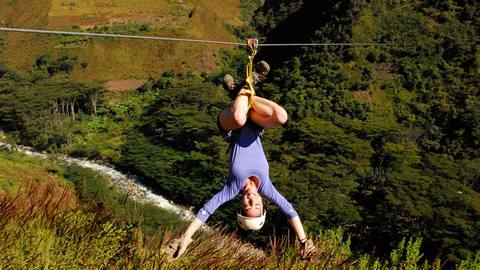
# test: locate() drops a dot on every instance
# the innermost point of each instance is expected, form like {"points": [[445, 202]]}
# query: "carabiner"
{"points": [[252, 45]]}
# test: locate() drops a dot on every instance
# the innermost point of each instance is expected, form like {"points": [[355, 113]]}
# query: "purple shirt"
{"points": [[247, 159]]}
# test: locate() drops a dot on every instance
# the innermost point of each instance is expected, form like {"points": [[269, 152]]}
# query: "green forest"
{"points": [[382, 140]]}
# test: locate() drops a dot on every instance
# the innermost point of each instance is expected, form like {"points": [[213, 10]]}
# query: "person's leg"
{"points": [[235, 115], [267, 113], [264, 112]]}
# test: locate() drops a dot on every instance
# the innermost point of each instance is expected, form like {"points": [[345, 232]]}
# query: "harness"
{"points": [[231, 136], [252, 45]]}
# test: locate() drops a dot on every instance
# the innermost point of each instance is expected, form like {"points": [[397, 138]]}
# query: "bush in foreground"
{"points": [[47, 227]]}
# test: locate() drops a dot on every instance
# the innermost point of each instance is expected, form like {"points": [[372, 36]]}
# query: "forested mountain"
{"points": [[382, 140], [394, 129]]}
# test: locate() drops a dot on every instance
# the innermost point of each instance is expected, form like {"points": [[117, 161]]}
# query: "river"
{"points": [[128, 184]]}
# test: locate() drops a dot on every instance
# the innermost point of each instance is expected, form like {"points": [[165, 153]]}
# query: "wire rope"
{"points": [[54, 32]]}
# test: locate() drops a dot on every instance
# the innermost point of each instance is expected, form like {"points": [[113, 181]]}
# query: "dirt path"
{"points": [[124, 85]]}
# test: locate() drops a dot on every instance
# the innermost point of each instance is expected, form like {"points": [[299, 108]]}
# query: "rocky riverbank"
{"points": [[128, 184]]}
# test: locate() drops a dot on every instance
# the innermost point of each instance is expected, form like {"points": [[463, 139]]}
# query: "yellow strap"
{"points": [[249, 77]]}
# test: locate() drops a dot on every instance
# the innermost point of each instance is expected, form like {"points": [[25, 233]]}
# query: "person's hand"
{"points": [[176, 248], [307, 249]]}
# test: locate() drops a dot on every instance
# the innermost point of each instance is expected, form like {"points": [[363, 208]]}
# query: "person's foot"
{"points": [[228, 82], [230, 86], [260, 71]]}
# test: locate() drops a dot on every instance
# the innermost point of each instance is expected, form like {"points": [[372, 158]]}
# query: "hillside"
{"points": [[382, 141], [108, 59], [65, 218]]}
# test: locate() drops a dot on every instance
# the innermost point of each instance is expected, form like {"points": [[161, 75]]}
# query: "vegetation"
{"points": [[382, 141], [111, 59], [63, 232], [90, 189], [410, 103]]}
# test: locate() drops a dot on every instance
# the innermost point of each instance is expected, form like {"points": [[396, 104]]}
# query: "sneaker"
{"points": [[230, 86], [228, 83], [260, 71], [262, 68]]}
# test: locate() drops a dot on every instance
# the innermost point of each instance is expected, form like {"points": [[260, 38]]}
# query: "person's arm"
{"points": [[179, 246], [298, 228], [269, 191], [193, 228], [228, 192], [307, 247]]}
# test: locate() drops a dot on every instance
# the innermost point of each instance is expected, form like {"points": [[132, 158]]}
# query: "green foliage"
{"points": [[3, 69], [383, 140], [470, 263], [406, 255], [70, 40], [121, 28], [398, 155], [403, 103], [92, 187], [178, 153], [273, 13], [247, 12], [326, 165], [45, 68], [40, 111]]}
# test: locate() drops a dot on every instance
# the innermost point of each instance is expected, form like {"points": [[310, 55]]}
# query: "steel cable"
{"points": [[53, 32]]}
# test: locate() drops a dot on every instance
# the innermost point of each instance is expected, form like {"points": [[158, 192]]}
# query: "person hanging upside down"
{"points": [[242, 123]]}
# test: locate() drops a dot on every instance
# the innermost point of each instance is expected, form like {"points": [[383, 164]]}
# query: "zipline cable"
{"points": [[322, 44], [53, 32]]}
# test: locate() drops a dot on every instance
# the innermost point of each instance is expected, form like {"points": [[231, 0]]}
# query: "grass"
{"points": [[110, 59], [49, 225], [46, 229], [81, 7], [93, 187], [18, 170]]}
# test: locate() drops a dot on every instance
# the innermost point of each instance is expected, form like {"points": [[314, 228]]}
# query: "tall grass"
{"points": [[43, 228], [47, 227], [50, 225]]}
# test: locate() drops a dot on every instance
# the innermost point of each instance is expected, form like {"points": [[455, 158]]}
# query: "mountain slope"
{"points": [[108, 59]]}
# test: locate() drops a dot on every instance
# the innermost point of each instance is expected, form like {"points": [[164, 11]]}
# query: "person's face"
{"points": [[251, 202]]}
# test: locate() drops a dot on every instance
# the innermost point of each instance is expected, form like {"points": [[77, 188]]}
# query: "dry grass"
{"points": [[18, 170], [81, 7], [124, 85], [34, 200], [109, 59], [46, 227]]}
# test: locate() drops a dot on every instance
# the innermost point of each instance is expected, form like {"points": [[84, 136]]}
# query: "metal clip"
{"points": [[252, 46]]}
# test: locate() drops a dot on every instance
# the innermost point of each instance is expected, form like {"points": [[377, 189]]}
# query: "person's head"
{"points": [[251, 215]]}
